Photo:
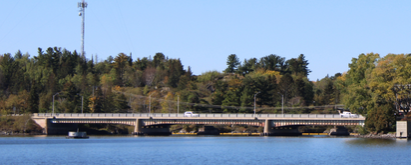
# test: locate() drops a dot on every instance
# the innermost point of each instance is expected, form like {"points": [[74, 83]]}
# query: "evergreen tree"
{"points": [[273, 62], [33, 99], [286, 86], [232, 64], [120, 104]]}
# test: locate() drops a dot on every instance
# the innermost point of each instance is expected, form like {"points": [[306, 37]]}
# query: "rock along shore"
{"points": [[378, 136]]}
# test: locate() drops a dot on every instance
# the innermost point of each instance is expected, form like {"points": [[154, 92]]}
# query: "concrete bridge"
{"points": [[158, 123]]}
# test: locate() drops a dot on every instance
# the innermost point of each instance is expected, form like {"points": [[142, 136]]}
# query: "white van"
{"points": [[190, 114]]}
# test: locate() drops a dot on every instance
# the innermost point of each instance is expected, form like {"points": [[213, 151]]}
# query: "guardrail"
{"points": [[205, 115], [13, 115]]}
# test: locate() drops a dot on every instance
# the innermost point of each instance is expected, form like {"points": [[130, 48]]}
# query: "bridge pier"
{"points": [[267, 126], [339, 131], [141, 129], [137, 126], [270, 130]]}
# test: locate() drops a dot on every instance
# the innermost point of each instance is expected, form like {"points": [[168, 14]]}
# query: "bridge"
{"points": [[158, 123]]}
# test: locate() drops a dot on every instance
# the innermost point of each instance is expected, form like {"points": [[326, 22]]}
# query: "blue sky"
{"points": [[203, 33]]}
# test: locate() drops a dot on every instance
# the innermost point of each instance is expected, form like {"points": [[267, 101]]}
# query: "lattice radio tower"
{"points": [[82, 5]]}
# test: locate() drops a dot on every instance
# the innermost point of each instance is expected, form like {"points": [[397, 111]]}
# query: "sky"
{"points": [[202, 34]]}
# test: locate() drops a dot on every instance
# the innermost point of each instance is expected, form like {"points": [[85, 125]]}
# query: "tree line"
{"points": [[163, 85]]}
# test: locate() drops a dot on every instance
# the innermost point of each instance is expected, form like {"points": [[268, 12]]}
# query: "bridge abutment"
{"points": [[403, 129], [50, 128]]}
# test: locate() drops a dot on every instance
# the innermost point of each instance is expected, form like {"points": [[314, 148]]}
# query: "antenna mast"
{"points": [[82, 5]]}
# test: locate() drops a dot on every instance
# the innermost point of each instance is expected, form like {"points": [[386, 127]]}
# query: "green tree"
{"points": [[286, 86], [120, 104], [273, 62], [358, 96], [33, 106], [232, 64], [248, 66]]}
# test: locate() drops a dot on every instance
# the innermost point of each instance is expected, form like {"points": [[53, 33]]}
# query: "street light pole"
{"points": [[282, 104], [82, 104], [255, 95], [178, 104], [53, 103], [149, 105]]}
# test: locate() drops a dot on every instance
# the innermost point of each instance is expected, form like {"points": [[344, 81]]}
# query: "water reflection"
{"points": [[371, 142]]}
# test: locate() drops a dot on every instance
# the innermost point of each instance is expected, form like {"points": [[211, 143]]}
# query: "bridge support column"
{"points": [[141, 129], [137, 126], [270, 130], [208, 130], [339, 131], [267, 126]]}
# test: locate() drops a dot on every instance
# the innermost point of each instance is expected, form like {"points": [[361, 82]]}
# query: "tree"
{"points": [[148, 75], [167, 104], [248, 66], [273, 62], [220, 90], [33, 106], [174, 72], [358, 94], [8, 67], [380, 118], [286, 86], [96, 102], [232, 64], [232, 97], [120, 104], [120, 64], [159, 60]]}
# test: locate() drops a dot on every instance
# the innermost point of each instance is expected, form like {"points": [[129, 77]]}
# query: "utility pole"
{"points": [[82, 5]]}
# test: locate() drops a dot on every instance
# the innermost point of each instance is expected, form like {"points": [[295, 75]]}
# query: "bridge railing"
{"points": [[206, 115]]}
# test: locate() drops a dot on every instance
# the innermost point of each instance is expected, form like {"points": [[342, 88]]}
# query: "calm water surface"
{"points": [[202, 150]]}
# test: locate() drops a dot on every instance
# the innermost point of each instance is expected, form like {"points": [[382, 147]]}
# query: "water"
{"points": [[202, 150]]}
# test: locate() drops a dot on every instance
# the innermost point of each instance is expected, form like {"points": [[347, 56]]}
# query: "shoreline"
{"points": [[378, 136]]}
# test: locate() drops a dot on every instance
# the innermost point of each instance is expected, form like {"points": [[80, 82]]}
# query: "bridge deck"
{"points": [[201, 116]]}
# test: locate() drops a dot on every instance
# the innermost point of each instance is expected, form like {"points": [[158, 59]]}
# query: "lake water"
{"points": [[202, 150]]}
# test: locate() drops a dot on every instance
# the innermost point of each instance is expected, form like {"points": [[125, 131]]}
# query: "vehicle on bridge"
{"points": [[348, 114], [190, 114]]}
